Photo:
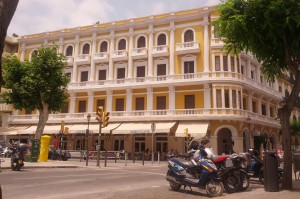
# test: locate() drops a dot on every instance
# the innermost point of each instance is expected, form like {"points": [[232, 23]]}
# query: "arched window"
{"points": [[122, 44], [69, 51], [161, 40], [86, 49], [188, 36], [103, 46], [141, 43], [34, 53]]}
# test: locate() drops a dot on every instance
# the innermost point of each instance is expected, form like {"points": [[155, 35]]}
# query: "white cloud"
{"points": [[35, 16]]}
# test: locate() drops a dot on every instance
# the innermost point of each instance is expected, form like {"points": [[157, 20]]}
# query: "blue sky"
{"points": [[36, 16]]}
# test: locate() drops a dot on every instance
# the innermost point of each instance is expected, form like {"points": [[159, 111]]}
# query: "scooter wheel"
{"points": [[175, 186]]}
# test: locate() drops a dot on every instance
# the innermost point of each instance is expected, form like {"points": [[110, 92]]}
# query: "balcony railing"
{"points": [[139, 53], [119, 55], [101, 57], [188, 47], [158, 51], [83, 59], [70, 60], [5, 107]]}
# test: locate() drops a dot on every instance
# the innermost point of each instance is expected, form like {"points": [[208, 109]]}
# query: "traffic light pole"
{"points": [[99, 145]]}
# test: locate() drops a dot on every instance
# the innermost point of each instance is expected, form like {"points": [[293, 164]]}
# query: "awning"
{"points": [[196, 130], [143, 128], [94, 128], [49, 129]]}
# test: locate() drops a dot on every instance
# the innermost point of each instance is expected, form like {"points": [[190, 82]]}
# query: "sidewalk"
{"points": [[76, 163]]}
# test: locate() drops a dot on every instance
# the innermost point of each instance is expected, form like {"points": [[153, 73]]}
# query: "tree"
{"points": [[7, 11], [295, 130], [271, 31], [39, 84]]}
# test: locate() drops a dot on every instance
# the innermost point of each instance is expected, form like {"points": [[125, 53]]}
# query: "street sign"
{"points": [[153, 126]]}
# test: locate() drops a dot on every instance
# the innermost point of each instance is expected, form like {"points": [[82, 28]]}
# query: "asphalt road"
{"points": [[90, 183]]}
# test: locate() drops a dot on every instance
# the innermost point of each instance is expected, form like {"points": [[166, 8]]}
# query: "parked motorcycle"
{"points": [[17, 156], [255, 166], [202, 174], [55, 154]]}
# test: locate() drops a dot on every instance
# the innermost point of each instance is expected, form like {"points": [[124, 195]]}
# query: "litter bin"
{"points": [[271, 181], [45, 141]]}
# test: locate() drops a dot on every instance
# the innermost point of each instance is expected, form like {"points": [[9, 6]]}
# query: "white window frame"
{"points": [[99, 45], [140, 63], [117, 43], [136, 40], [189, 28], [101, 67], [120, 65], [188, 58], [66, 47], [161, 61], [81, 51], [82, 69], [156, 38]]}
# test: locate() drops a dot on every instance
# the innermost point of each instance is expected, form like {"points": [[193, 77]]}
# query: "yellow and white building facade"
{"points": [[167, 69]]}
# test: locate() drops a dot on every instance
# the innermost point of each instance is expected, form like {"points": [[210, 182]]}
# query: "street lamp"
{"points": [[87, 139]]}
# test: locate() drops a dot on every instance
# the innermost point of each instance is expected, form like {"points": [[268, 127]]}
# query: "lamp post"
{"points": [[153, 127], [87, 139]]}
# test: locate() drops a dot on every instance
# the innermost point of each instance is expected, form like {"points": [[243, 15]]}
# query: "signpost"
{"points": [[153, 127]]}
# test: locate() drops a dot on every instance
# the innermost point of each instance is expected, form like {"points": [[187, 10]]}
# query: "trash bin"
{"points": [[45, 141], [271, 181], [32, 152]]}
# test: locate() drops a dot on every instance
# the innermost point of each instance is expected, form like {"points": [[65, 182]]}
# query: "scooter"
{"points": [[17, 159], [202, 174]]}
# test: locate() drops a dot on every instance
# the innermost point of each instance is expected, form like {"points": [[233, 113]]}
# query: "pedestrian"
{"points": [[55, 143]]}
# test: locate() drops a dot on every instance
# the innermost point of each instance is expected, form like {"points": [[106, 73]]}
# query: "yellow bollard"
{"points": [[44, 150]]}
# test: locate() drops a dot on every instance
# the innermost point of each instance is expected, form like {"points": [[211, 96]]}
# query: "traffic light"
{"points": [[99, 114], [105, 119]]}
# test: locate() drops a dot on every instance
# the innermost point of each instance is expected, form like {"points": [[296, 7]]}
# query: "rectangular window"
{"points": [[121, 73], [219, 98], [65, 109], [261, 79], [189, 101], [217, 63], [238, 65], [119, 145], [240, 99], [271, 112], [102, 75], [101, 102], [252, 74], [254, 107], [120, 104], [140, 71], [232, 64], [28, 112], [84, 76], [225, 65], [216, 34], [68, 75], [139, 103], [234, 99], [188, 67], [242, 69], [82, 106], [161, 69], [263, 109], [244, 104], [226, 98], [161, 103]]}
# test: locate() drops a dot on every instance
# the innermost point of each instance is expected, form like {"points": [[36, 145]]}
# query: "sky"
{"points": [[37, 16]]}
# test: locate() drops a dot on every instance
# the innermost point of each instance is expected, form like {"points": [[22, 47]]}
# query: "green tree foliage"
{"points": [[295, 129], [271, 31], [37, 84]]}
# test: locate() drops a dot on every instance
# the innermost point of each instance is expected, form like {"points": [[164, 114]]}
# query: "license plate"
{"points": [[20, 161]]}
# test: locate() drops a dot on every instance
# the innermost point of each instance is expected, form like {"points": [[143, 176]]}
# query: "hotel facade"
{"points": [[167, 69]]}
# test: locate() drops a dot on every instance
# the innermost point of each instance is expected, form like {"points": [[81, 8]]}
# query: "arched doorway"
{"points": [[225, 143], [246, 140]]}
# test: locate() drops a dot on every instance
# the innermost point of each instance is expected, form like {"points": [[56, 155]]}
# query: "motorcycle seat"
{"points": [[183, 163]]}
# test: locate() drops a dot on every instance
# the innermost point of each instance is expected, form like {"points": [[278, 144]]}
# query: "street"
{"points": [[109, 183]]}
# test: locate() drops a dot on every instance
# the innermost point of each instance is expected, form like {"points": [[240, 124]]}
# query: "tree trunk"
{"points": [[284, 116], [43, 118], [7, 11]]}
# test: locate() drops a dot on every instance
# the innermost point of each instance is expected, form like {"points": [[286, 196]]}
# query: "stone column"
{"points": [[109, 101], [72, 102], [90, 101], [130, 48], [149, 100], [128, 100], [74, 77], [61, 45], [23, 48], [171, 99], [111, 50], [206, 45], [172, 48], [150, 46], [94, 46], [207, 98]]}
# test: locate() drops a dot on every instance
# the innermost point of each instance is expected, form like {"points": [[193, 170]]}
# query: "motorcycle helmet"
{"points": [[253, 152], [193, 145]]}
